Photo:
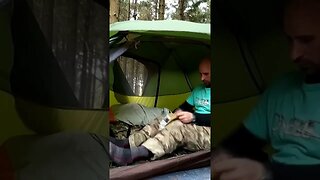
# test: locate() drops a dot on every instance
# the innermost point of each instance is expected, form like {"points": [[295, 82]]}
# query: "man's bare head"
{"points": [[302, 25], [205, 71]]}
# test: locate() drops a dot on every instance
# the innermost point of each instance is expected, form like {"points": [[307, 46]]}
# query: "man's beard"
{"points": [[207, 84], [310, 69], [312, 74]]}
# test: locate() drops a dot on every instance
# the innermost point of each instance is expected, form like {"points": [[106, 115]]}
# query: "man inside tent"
{"points": [[190, 129], [287, 116]]}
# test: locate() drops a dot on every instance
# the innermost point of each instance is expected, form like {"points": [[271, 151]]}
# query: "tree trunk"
{"points": [[119, 10], [64, 36], [156, 9], [84, 84], [181, 9], [114, 11], [129, 8], [135, 10], [161, 9]]}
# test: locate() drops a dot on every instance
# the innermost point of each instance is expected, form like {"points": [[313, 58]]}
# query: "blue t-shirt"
{"points": [[200, 99], [288, 116]]}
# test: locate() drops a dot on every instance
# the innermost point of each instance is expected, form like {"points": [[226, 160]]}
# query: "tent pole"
{"points": [[158, 86], [183, 71]]}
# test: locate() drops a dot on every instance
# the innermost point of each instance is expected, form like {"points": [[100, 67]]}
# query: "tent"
{"points": [[43, 107], [170, 51], [155, 64]]}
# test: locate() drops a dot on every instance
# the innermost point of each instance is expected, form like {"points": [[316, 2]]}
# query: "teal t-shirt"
{"points": [[288, 116], [200, 99]]}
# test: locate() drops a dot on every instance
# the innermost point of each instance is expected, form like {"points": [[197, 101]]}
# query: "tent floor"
{"points": [[199, 173], [177, 152]]}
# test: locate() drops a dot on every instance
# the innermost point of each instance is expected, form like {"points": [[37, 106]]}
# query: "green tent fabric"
{"points": [[34, 96], [10, 121], [6, 50], [37, 119], [64, 155], [170, 50], [8, 112], [175, 28]]}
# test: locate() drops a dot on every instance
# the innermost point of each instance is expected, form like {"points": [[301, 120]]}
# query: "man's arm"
{"points": [[202, 119], [242, 152], [185, 106], [242, 143], [198, 119]]}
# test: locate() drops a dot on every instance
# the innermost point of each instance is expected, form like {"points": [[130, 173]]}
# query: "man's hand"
{"points": [[220, 155], [239, 169], [184, 116]]}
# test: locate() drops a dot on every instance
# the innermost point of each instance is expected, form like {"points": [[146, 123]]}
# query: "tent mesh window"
{"points": [[135, 73], [61, 53]]}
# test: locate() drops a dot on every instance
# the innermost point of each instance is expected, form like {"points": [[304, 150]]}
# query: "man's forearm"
{"points": [[199, 119], [185, 106], [242, 143], [202, 119]]}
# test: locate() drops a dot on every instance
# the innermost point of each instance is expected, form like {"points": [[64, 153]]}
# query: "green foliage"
{"points": [[123, 7], [194, 11], [198, 11], [145, 10]]}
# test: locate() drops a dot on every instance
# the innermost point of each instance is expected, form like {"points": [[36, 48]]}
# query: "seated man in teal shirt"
{"points": [[189, 128], [287, 116]]}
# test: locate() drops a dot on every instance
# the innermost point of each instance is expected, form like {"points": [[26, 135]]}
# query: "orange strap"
{"points": [[6, 168], [112, 118]]}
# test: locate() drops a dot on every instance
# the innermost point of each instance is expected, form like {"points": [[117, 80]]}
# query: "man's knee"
{"points": [[137, 139]]}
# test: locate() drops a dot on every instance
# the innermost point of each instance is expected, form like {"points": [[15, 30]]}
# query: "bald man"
{"points": [[189, 128], [287, 116]]}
